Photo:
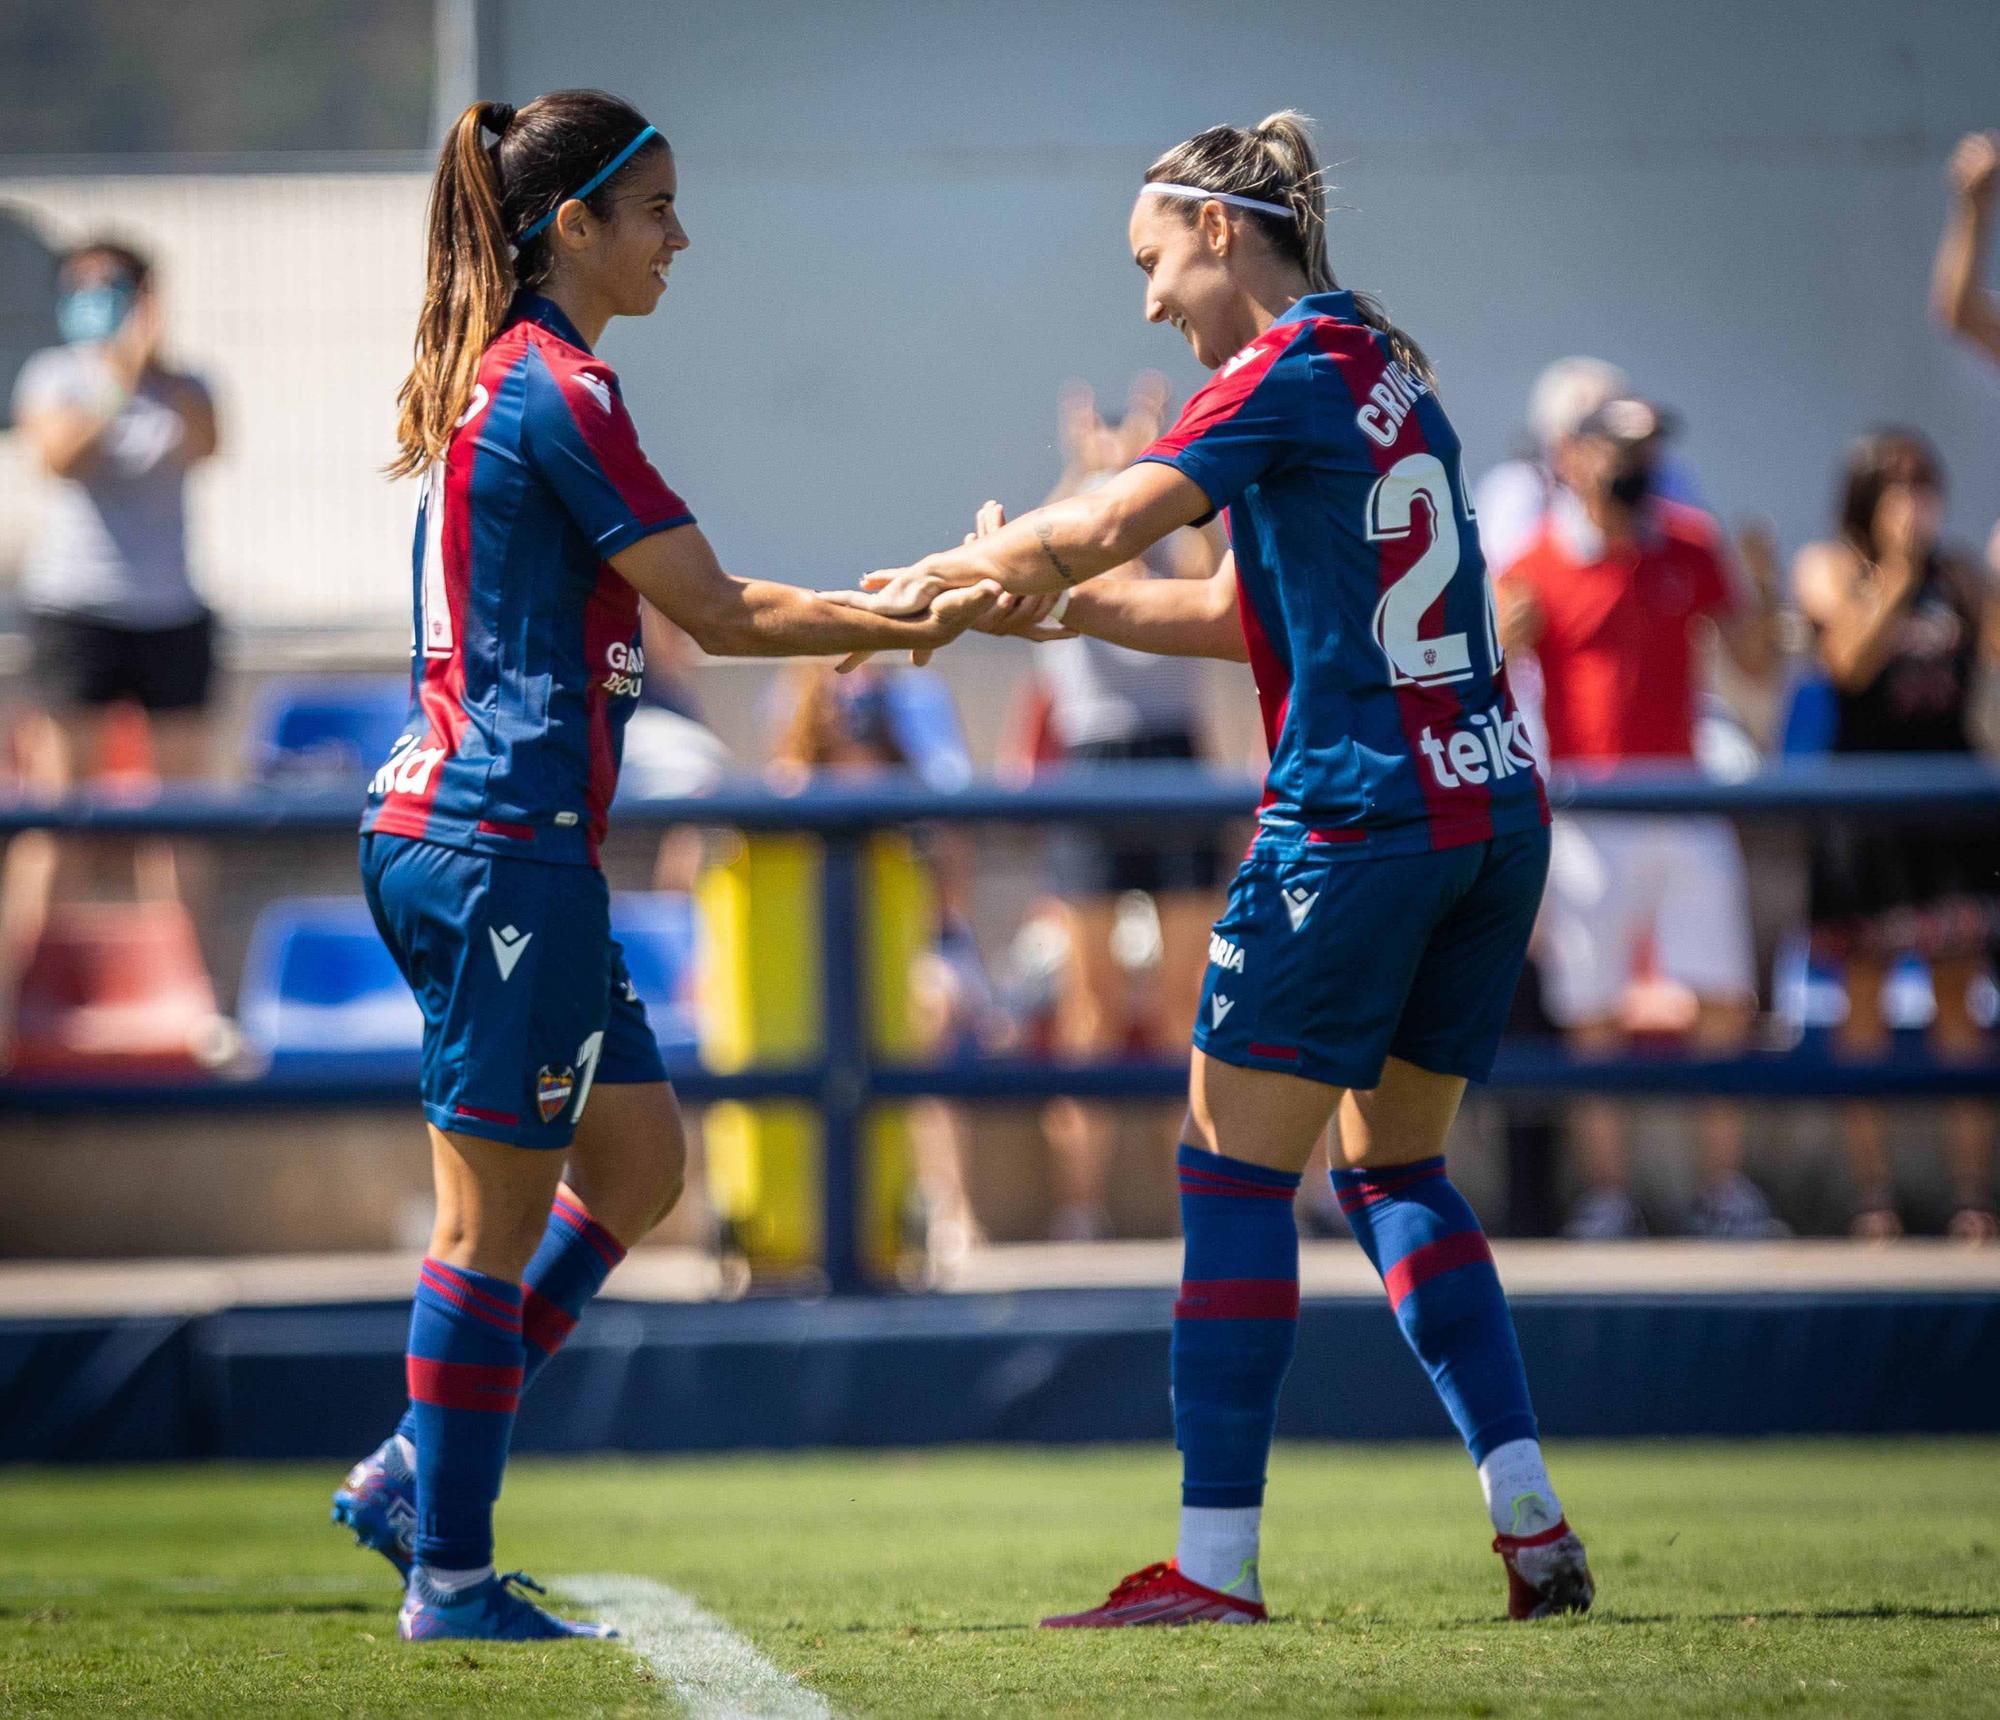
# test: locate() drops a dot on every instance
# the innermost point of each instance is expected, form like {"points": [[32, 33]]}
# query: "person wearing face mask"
{"points": [[1900, 624], [113, 615], [1615, 595], [113, 619]]}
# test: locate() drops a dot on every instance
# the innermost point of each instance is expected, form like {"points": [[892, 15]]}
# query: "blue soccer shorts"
{"points": [[523, 989], [1325, 964]]}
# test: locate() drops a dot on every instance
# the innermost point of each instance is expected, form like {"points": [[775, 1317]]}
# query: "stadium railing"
{"points": [[846, 1078]]}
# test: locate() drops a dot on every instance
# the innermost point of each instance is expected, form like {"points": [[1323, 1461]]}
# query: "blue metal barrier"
{"points": [[846, 1081]]}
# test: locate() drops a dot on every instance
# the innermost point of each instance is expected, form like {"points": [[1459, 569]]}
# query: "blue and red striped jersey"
{"points": [[526, 662], [1364, 597]]}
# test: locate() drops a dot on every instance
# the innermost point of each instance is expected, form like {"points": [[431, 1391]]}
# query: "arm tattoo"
{"points": [[1046, 538]]}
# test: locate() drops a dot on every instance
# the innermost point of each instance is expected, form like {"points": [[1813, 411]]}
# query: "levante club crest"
{"points": [[553, 1088]]}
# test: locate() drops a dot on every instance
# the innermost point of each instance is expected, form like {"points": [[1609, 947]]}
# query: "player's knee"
{"points": [[496, 1242], [669, 1180], [632, 1193]]}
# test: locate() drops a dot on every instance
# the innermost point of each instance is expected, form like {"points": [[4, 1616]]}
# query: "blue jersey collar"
{"points": [[1338, 305], [546, 313]]}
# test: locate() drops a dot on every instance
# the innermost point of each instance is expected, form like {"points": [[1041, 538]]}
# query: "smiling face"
{"points": [[622, 260], [1190, 281]]}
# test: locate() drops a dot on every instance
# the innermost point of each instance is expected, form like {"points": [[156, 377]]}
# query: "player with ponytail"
{"points": [[542, 527], [1375, 933]]}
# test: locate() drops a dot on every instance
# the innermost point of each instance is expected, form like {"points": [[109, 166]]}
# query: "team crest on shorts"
{"points": [[553, 1089]]}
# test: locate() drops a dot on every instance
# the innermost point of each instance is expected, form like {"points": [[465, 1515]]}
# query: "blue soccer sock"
{"points": [[464, 1368], [577, 1254], [1235, 1328], [1426, 1242]]}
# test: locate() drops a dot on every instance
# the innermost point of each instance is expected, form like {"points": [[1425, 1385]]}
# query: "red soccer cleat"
{"points": [[1546, 1573], [1161, 1595]]}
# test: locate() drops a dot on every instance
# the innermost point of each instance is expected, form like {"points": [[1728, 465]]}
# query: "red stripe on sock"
{"points": [[1420, 1265], [1207, 1182], [505, 1319], [607, 1246], [545, 1324], [1372, 1192], [463, 1385], [459, 1278], [1238, 1299]]}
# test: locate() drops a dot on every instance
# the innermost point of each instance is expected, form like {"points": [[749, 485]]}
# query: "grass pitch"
{"points": [[1800, 1579]]}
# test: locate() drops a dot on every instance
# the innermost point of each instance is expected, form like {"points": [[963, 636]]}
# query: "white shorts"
{"points": [[1616, 879]]}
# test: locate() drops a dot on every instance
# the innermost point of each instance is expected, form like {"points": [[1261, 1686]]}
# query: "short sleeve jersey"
{"points": [[526, 662], [111, 544], [1616, 646], [1363, 593]]}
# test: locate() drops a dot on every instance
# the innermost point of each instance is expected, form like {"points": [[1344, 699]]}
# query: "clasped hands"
{"points": [[959, 605]]}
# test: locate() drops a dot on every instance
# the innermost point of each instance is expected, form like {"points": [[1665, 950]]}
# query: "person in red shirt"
{"points": [[1615, 596]]}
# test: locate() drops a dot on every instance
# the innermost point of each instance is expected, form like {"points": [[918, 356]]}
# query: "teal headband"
{"points": [[590, 184]]}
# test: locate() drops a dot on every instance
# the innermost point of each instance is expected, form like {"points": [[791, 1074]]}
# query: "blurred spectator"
{"points": [[113, 618], [112, 612], [851, 725], [1610, 595], [1964, 304], [1140, 903], [1513, 499], [1898, 624]]}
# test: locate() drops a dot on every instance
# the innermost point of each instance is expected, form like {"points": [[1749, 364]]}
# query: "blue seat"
{"points": [[319, 986], [320, 990], [325, 729], [657, 932], [1812, 716], [924, 720], [1809, 994]]}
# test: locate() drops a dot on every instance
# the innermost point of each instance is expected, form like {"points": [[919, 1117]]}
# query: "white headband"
{"points": [[1196, 192]]}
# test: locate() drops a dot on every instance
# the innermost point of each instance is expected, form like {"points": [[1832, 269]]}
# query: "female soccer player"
{"points": [[541, 528], [1374, 934]]}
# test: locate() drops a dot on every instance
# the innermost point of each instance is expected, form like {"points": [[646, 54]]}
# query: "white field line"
{"points": [[714, 1672]]}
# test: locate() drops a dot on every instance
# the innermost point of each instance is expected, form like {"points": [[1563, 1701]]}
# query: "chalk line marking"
{"points": [[716, 1674]]}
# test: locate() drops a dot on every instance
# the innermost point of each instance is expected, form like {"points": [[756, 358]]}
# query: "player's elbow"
{"points": [[1224, 623], [1115, 530], [721, 634]]}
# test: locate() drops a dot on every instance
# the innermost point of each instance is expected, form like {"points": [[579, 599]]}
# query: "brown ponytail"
{"points": [[1275, 162], [468, 284], [485, 192]]}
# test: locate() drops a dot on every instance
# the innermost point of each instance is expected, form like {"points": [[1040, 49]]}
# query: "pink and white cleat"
{"points": [[1546, 1573], [1161, 1595]]}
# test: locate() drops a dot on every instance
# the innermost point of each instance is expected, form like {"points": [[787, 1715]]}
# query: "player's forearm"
{"points": [[1054, 548], [1168, 617], [763, 618]]}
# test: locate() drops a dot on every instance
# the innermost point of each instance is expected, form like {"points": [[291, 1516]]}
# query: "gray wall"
{"points": [[909, 224]]}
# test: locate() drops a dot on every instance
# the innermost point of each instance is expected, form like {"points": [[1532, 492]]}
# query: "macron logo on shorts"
{"points": [[1219, 1008], [507, 947], [1298, 904]]}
